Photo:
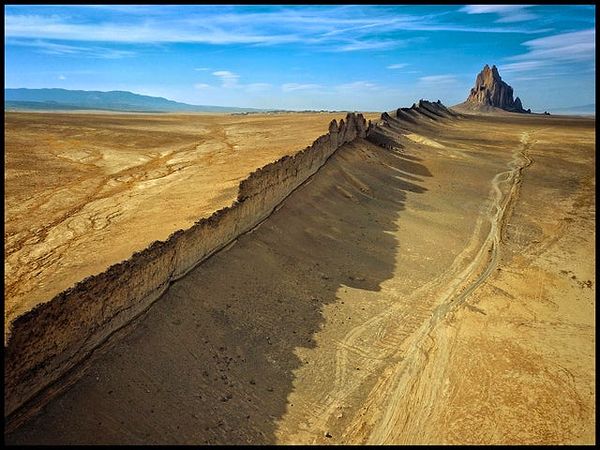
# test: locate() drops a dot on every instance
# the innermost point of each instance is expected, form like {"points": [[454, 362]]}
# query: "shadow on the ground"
{"points": [[213, 361]]}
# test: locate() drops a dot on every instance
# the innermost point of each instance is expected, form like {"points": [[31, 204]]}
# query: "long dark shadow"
{"points": [[214, 360]]}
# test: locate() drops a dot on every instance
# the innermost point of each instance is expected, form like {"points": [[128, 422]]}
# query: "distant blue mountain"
{"points": [[65, 99]]}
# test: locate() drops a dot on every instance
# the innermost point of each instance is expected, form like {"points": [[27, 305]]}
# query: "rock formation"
{"points": [[404, 120], [491, 91]]}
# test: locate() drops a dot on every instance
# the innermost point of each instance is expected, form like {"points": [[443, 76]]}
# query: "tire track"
{"points": [[379, 345], [414, 385]]}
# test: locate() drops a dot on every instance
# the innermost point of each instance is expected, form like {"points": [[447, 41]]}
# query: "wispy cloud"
{"points": [[149, 31], [397, 66], [290, 87], [523, 66], [133, 9], [228, 79], [507, 13], [569, 47], [357, 85], [231, 81], [543, 76], [437, 80], [62, 77], [52, 48], [369, 45], [551, 57], [346, 29], [202, 69]]}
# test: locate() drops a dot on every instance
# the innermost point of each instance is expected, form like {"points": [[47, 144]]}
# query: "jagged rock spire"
{"points": [[490, 90]]}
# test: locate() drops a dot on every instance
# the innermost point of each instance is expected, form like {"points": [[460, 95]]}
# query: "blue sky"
{"points": [[350, 57]]}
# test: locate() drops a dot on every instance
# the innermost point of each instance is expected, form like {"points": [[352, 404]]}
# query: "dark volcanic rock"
{"points": [[490, 90], [517, 104]]}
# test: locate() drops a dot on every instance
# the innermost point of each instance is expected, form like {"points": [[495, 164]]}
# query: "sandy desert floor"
{"points": [[442, 293]]}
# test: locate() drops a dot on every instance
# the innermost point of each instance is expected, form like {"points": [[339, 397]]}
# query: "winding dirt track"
{"points": [[374, 340], [504, 192]]}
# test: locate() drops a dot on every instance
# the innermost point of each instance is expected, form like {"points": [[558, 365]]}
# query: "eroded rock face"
{"points": [[490, 90], [48, 341]]}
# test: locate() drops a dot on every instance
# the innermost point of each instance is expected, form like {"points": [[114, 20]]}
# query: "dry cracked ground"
{"points": [[441, 292]]}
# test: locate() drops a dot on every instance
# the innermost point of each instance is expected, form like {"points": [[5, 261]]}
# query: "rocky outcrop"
{"points": [[51, 339], [404, 120], [491, 91]]}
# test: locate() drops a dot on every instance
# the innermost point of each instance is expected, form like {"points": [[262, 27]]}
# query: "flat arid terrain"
{"points": [[432, 283]]}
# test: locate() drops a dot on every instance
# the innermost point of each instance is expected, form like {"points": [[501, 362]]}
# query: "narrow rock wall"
{"points": [[54, 337]]}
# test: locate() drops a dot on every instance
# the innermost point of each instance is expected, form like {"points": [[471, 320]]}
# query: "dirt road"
{"points": [[456, 290]]}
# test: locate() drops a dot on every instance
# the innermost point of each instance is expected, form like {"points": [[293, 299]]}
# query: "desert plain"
{"points": [[440, 290]]}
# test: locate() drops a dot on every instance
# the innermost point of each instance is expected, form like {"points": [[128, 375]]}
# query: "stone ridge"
{"points": [[405, 120], [490, 90], [48, 342]]}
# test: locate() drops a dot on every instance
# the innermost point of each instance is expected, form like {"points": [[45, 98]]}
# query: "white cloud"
{"points": [[567, 47], [369, 45], [347, 28], [437, 80], [228, 79], [202, 69], [290, 87], [554, 56], [149, 31], [524, 66], [72, 50], [62, 77], [507, 13], [520, 16], [550, 76], [397, 66], [486, 9], [357, 85]]}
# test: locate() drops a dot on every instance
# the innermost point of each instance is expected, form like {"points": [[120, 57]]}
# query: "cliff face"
{"points": [[51, 339], [490, 90]]}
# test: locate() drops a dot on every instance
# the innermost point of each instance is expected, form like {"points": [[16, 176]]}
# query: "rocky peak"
{"points": [[490, 90]]}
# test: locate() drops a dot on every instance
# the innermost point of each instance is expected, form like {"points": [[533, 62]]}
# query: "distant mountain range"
{"points": [[65, 99], [581, 109]]}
